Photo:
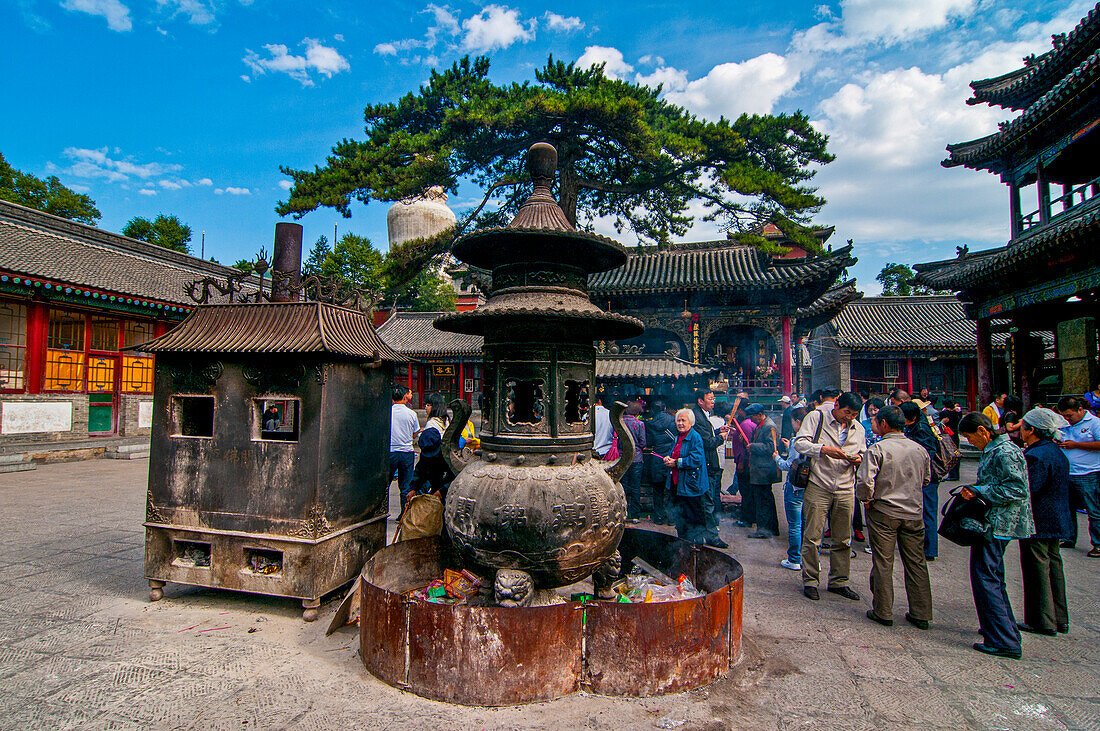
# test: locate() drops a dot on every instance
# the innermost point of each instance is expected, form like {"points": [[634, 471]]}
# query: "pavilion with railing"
{"points": [[1045, 284]]}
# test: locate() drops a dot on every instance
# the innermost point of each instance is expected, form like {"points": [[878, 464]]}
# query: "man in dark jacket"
{"points": [[918, 429], [1045, 608], [712, 501], [660, 436], [763, 471]]}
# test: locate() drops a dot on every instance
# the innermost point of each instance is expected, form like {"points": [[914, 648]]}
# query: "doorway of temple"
{"points": [[748, 357]]}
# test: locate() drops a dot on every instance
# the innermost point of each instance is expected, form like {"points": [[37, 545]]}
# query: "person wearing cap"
{"points": [[762, 471], [786, 431], [1045, 608]]}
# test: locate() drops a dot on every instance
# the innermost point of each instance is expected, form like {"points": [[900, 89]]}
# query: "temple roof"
{"points": [[827, 306], [931, 322], [989, 152], [724, 266], [276, 327], [1021, 88], [1030, 253], [42, 245], [648, 367], [412, 334]]}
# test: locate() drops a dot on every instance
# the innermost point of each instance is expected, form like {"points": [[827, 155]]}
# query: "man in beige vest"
{"points": [[890, 482], [830, 494]]}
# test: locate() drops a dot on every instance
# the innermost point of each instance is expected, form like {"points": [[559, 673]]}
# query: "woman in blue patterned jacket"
{"points": [[1001, 482]]}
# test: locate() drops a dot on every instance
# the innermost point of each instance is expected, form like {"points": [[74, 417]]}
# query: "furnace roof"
{"points": [[276, 327]]}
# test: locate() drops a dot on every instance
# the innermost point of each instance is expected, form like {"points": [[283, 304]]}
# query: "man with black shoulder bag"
{"points": [[833, 440]]}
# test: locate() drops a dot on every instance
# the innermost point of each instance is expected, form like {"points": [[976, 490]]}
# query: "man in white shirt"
{"points": [[1081, 442], [604, 432], [404, 426]]}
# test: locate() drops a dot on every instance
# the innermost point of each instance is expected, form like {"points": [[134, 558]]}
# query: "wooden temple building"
{"points": [[72, 298], [722, 304], [1044, 285], [877, 344]]}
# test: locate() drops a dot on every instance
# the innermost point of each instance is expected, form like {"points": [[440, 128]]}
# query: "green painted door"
{"points": [[100, 412]]}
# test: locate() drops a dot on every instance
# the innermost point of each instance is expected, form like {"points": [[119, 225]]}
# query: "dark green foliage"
{"points": [[166, 231], [47, 195], [623, 153], [898, 280], [243, 264]]}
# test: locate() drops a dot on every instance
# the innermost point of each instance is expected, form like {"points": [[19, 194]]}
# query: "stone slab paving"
{"points": [[81, 647]]}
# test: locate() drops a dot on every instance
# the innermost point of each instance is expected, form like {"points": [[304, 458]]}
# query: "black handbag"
{"points": [[947, 453], [799, 474], [965, 522]]}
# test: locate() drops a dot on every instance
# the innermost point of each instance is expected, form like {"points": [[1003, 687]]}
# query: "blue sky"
{"points": [[189, 107]]}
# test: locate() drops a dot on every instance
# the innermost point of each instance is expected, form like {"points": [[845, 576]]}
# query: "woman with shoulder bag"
{"points": [[687, 479], [792, 498], [1002, 482]]}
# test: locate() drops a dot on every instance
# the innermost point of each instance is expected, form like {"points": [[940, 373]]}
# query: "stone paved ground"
{"points": [[80, 647]]}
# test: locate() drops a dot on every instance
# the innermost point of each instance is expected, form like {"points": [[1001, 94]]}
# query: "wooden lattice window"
{"points": [[64, 370], [137, 374], [101, 374], [136, 333], [104, 334], [891, 369], [13, 342], [66, 331]]}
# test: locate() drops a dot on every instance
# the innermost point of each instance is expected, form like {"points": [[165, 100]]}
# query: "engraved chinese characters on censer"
{"points": [[534, 507]]}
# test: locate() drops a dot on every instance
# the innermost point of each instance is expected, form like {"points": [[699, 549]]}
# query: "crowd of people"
{"points": [[852, 466]]}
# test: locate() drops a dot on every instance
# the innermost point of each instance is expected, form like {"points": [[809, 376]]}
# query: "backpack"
{"points": [[947, 454]]}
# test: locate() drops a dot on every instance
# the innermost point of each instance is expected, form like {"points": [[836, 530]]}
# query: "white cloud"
{"points": [[318, 58], [649, 60], [339, 37], [99, 163], [730, 89], [286, 184], [196, 11], [169, 184], [246, 78], [561, 23], [669, 78], [888, 134], [204, 181], [496, 26], [386, 49], [230, 190], [615, 66], [879, 21], [117, 14], [147, 191]]}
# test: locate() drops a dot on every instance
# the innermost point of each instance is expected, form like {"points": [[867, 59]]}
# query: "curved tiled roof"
{"points": [[276, 327], [987, 152], [39, 244], [1035, 248], [727, 267], [1020, 88], [932, 322], [826, 307], [414, 335], [640, 367]]}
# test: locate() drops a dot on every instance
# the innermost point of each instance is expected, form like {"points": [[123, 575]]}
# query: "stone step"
{"points": [[143, 447], [16, 463], [130, 454]]}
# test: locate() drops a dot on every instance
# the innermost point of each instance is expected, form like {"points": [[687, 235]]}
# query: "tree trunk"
{"points": [[567, 193]]}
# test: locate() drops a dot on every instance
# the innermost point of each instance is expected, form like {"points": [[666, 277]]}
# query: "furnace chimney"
{"points": [[286, 265]]}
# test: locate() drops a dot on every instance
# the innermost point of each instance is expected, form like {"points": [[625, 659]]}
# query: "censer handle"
{"points": [[460, 411], [626, 443]]}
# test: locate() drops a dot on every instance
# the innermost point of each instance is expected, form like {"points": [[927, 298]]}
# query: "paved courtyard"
{"points": [[80, 646]]}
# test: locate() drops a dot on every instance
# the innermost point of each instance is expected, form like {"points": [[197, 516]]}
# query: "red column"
{"points": [[38, 325], [461, 383], [785, 365], [985, 363], [909, 373], [410, 375]]}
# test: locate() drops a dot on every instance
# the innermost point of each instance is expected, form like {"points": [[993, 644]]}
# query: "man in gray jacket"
{"points": [[890, 483], [834, 440]]}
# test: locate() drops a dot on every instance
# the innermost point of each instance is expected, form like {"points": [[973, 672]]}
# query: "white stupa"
{"points": [[420, 216]]}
